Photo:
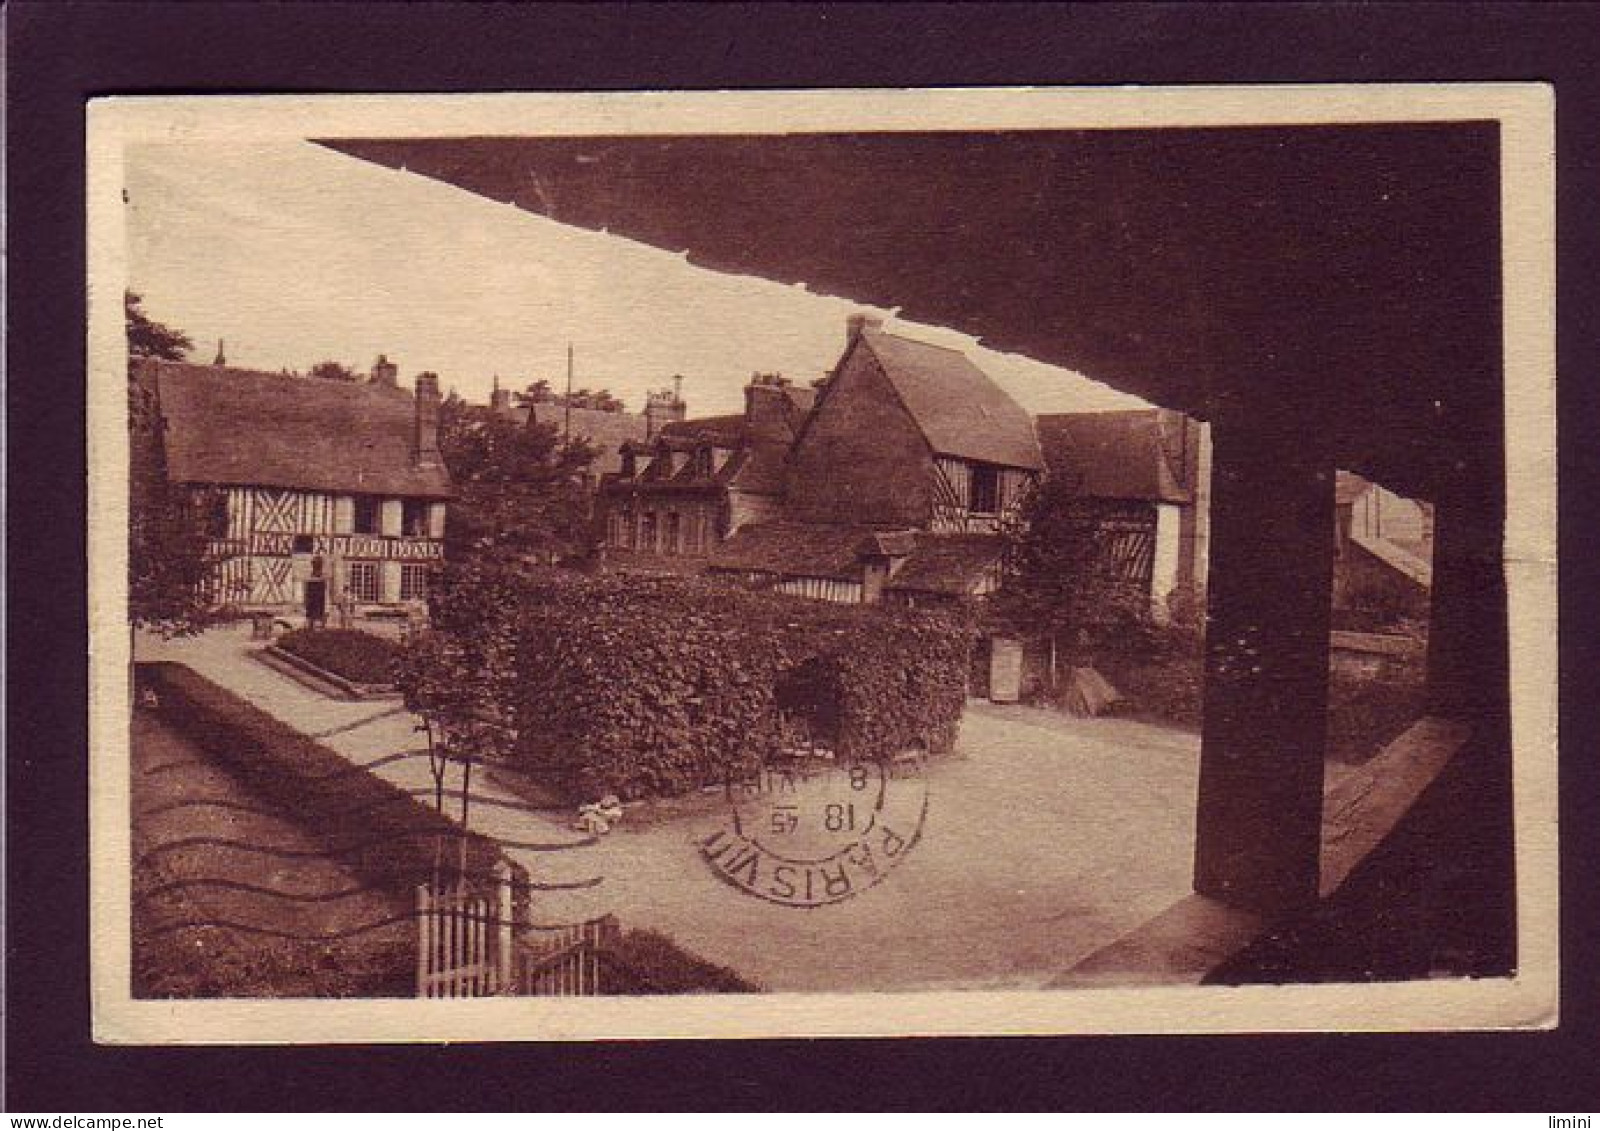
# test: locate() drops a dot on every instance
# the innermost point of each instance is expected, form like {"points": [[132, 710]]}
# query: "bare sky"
{"points": [[294, 253]]}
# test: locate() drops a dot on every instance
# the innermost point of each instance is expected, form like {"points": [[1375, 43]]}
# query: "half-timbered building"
{"points": [[900, 484], [307, 478], [1142, 477]]}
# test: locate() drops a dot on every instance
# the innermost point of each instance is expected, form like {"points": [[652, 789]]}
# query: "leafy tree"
{"points": [[1060, 580], [539, 392], [172, 556], [149, 338], [172, 560], [334, 371], [601, 400], [520, 490]]}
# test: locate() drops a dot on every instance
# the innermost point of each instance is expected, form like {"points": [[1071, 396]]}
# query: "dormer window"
{"points": [[630, 464], [985, 489]]}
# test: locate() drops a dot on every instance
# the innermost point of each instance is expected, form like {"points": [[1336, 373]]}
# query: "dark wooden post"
{"points": [[1467, 614], [1259, 820]]}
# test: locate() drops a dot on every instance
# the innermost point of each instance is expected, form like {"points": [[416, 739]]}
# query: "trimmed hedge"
{"points": [[359, 657], [393, 836], [645, 962], [648, 686]]}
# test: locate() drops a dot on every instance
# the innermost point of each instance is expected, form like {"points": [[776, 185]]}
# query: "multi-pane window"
{"points": [[361, 581], [414, 518], [367, 511], [985, 489], [674, 532], [647, 531], [413, 582]]}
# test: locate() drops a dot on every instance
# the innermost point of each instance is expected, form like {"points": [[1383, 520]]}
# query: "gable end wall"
{"points": [[861, 458]]}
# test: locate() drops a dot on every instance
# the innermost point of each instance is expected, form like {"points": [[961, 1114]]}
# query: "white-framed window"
{"points": [[413, 582], [361, 582]]}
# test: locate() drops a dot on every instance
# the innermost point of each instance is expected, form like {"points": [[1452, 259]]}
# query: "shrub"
{"points": [[394, 840], [649, 686], [646, 962], [359, 657]]}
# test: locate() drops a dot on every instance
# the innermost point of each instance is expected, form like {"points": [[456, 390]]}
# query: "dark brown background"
{"points": [[58, 55]]}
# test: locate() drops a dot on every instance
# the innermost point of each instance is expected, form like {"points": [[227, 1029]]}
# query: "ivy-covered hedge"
{"points": [[649, 686]]}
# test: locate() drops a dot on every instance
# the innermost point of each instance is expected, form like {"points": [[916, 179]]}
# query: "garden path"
{"points": [[365, 732]]}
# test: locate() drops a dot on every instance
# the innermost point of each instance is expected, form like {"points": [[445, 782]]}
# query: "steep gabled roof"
{"points": [[794, 549], [956, 565], [1112, 455], [242, 427], [802, 399], [757, 465], [959, 409], [953, 565]]}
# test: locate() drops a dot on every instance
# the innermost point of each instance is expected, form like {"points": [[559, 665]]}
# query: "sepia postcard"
{"points": [[827, 563]]}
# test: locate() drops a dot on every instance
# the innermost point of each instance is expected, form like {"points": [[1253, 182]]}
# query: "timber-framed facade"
{"points": [[306, 479]]}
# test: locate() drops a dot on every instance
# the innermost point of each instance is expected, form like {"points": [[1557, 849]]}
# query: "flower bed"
{"points": [[359, 657]]}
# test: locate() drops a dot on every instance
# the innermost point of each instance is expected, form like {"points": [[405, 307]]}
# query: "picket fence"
{"points": [[470, 944], [564, 962]]}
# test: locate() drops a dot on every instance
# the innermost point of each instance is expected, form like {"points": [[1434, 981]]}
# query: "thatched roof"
{"points": [[241, 427]]}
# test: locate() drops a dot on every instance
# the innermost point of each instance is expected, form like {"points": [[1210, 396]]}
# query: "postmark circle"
{"points": [[810, 831]]}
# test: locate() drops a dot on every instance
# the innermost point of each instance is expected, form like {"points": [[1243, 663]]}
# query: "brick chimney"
{"points": [[663, 407], [425, 429], [856, 323], [386, 373], [766, 406]]}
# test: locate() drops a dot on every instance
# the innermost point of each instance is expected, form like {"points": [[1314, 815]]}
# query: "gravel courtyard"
{"points": [[1045, 838]]}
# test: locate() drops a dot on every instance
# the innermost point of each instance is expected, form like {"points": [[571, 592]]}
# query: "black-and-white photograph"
{"points": [[932, 546]]}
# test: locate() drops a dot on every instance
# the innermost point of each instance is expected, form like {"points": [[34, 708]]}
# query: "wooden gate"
{"points": [[474, 941], [464, 940], [564, 961]]}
